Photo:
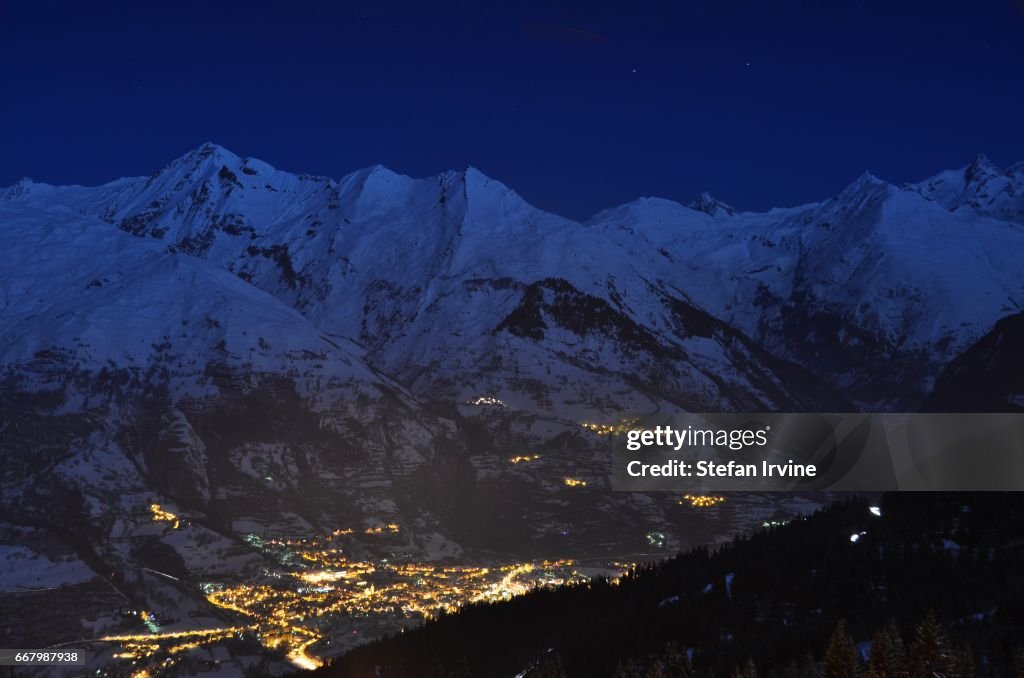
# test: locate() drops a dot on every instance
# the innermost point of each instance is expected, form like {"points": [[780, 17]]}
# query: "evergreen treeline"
{"points": [[889, 656], [932, 587]]}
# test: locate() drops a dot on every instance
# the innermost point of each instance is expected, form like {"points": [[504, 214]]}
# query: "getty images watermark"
{"points": [[805, 452]]}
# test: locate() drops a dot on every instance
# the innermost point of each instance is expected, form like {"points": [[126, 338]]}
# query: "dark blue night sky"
{"points": [[578, 106]]}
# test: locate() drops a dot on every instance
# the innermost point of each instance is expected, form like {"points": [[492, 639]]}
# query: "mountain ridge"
{"points": [[979, 168], [273, 356], [319, 245]]}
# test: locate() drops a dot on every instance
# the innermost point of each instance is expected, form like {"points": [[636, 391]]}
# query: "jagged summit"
{"points": [[206, 154], [213, 161], [18, 189], [866, 186], [867, 178], [980, 187], [473, 179], [711, 206], [481, 197], [208, 148], [980, 168]]}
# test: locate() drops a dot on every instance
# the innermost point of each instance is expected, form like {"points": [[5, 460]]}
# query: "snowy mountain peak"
{"points": [[18, 189], [209, 149], [477, 183], [206, 161], [864, 187], [380, 256], [374, 177], [471, 173], [980, 187], [980, 168], [470, 176], [658, 219], [206, 155], [867, 179], [706, 203], [372, 190], [481, 196]]}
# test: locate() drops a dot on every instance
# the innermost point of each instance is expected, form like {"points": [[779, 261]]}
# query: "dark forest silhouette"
{"points": [[933, 587]]}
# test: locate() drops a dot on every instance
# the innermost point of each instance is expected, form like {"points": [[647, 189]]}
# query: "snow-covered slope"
{"points": [[875, 289], [979, 188], [455, 285], [131, 373], [459, 288], [71, 285], [987, 377], [710, 205]]}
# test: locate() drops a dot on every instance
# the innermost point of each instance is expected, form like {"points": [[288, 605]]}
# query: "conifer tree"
{"points": [[888, 657], [627, 669], [656, 670], [963, 664], [551, 668], [675, 662], [749, 670], [929, 653], [841, 656]]}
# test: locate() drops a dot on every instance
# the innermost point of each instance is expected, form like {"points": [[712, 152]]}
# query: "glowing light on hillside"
{"points": [[657, 539], [380, 529], [610, 429], [321, 577], [701, 500], [161, 515], [485, 401], [299, 657]]}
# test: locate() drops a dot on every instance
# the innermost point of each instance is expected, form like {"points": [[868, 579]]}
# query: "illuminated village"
{"points": [[701, 500], [316, 602], [602, 429]]}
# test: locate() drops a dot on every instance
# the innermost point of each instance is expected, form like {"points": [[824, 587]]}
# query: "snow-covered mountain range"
{"points": [[457, 287], [874, 290], [424, 272], [283, 353]]}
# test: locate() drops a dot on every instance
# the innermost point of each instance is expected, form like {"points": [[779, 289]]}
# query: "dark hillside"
{"points": [[775, 597]]}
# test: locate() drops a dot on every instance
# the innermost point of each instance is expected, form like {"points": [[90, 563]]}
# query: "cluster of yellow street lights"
{"points": [[610, 429], [701, 500], [159, 514]]}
